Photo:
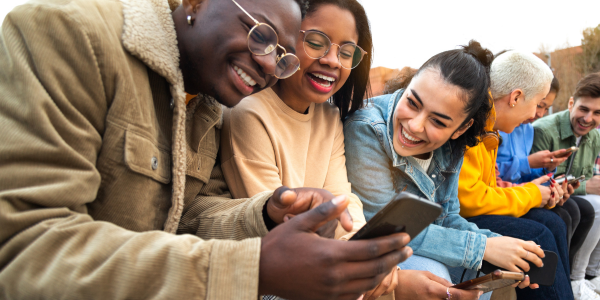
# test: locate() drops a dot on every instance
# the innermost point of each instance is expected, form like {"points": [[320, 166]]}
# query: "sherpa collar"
{"points": [[149, 35]]}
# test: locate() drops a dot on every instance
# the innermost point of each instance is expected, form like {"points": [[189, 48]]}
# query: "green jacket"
{"points": [[554, 132]]}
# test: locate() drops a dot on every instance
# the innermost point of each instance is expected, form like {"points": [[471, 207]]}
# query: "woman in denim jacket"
{"points": [[413, 140]]}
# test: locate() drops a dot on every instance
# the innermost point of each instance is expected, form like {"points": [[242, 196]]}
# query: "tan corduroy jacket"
{"points": [[101, 162]]}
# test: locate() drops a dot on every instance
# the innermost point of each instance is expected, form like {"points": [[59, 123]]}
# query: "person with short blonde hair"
{"points": [[519, 82]]}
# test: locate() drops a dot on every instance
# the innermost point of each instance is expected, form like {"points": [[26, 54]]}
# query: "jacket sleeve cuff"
{"points": [[581, 189], [254, 217], [536, 196], [475, 249], [233, 269]]}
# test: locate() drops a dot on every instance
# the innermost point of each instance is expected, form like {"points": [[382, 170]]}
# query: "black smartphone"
{"points": [[405, 213], [542, 276]]}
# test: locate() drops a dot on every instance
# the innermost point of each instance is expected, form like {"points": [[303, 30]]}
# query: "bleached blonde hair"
{"points": [[519, 70]]}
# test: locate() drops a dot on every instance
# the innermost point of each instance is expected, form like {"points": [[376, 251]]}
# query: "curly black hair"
{"points": [[469, 69], [303, 7]]}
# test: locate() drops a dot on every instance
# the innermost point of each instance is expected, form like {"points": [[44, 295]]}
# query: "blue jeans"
{"points": [[421, 263], [546, 229]]}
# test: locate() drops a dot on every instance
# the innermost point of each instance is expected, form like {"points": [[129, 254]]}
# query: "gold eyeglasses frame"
{"points": [[269, 49]]}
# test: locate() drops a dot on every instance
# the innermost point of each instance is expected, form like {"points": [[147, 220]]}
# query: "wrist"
{"points": [[269, 223]]}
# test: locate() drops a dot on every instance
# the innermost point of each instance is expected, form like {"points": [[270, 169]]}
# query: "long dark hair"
{"points": [[469, 69], [349, 97]]}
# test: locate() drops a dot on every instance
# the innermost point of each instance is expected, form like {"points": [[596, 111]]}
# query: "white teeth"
{"points": [[245, 78], [330, 79], [408, 137]]}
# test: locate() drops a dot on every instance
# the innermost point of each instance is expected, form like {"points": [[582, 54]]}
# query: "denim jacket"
{"points": [[377, 173]]}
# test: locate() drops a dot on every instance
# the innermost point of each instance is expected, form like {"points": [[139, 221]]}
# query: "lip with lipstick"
{"points": [[408, 140], [243, 81], [321, 82]]}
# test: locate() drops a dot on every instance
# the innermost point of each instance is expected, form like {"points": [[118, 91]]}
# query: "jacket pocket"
{"points": [[144, 157]]}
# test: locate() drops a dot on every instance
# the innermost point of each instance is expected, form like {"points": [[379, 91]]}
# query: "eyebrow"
{"points": [[435, 113], [291, 48]]}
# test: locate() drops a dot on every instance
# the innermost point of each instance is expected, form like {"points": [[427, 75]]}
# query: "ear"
{"points": [[571, 103], [515, 96], [462, 130], [191, 7]]}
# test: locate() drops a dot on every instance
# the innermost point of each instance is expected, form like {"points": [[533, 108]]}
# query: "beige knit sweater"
{"points": [[266, 144]]}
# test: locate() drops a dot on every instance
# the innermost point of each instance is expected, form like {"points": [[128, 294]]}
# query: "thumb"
{"points": [[283, 197], [317, 217], [541, 179]]}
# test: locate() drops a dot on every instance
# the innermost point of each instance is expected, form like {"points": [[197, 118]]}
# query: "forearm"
{"points": [[215, 217], [104, 261]]}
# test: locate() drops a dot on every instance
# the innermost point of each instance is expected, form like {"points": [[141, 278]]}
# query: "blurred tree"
{"points": [[589, 60]]}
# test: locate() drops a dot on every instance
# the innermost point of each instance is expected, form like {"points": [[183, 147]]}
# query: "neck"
{"points": [[291, 99], [423, 155]]}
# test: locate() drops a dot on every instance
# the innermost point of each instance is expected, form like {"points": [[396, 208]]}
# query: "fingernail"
{"points": [[337, 200], [552, 194], [553, 181], [285, 193], [550, 175]]}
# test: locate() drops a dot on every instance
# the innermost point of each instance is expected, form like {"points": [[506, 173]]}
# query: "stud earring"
{"points": [[190, 21], [513, 105]]}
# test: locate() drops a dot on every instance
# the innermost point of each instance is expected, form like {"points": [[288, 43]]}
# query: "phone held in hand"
{"points": [[568, 150], [542, 276], [405, 213], [495, 280], [570, 179]]}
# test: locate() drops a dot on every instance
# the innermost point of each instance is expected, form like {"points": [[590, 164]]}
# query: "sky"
{"points": [[407, 33]]}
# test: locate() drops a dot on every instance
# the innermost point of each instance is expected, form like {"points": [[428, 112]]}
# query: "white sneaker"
{"points": [[596, 283], [583, 291]]}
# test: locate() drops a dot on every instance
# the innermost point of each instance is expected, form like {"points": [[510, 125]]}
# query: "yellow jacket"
{"points": [[477, 190]]}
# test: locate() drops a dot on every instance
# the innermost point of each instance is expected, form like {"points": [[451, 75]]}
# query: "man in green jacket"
{"points": [[577, 127], [102, 161]]}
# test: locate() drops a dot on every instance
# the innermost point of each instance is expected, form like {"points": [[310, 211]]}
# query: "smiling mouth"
{"points": [[246, 79], [322, 80], [583, 124], [409, 139]]}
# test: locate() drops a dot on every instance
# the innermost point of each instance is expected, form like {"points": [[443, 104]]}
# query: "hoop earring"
{"points": [[189, 20]]}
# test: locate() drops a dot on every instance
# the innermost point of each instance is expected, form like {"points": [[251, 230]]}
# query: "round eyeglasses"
{"points": [[317, 44], [263, 40]]}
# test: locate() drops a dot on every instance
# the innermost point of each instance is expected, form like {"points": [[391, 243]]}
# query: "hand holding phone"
{"points": [[497, 279], [541, 275], [567, 152], [405, 213], [570, 179]]}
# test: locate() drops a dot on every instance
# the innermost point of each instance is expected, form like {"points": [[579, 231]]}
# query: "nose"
{"points": [[331, 59], [266, 62], [588, 117], [539, 113], [417, 124]]}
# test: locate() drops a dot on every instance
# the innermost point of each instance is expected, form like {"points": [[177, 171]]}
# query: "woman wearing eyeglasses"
{"points": [[290, 134]]}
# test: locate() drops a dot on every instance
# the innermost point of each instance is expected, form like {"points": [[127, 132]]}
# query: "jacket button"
{"points": [[432, 175], [172, 103], [154, 163]]}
